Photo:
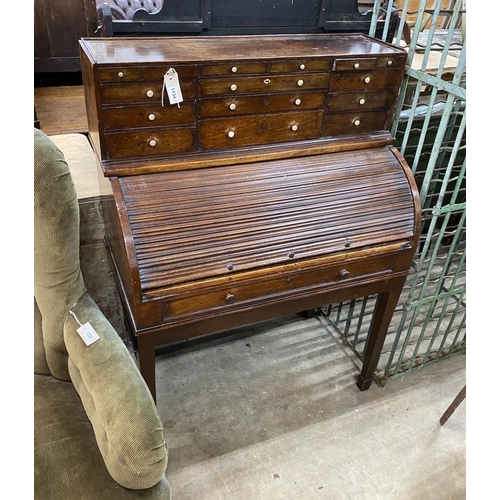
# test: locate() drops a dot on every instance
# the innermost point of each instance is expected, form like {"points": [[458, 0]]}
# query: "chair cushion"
{"points": [[68, 464]]}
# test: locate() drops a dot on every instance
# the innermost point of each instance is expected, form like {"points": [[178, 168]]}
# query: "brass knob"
{"points": [[344, 273], [150, 93]]}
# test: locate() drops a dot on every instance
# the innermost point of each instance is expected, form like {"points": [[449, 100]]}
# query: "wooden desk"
{"points": [[272, 188]]}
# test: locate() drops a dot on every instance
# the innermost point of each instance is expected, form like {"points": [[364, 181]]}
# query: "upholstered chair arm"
{"points": [[120, 407]]}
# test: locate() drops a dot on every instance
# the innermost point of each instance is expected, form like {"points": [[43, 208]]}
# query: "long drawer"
{"points": [[363, 80], [260, 129], [308, 277]]}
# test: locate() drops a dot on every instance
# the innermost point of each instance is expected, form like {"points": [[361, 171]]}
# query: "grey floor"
{"points": [[271, 411]]}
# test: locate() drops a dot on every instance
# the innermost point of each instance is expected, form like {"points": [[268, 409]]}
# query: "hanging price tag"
{"points": [[172, 86], [86, 331]]}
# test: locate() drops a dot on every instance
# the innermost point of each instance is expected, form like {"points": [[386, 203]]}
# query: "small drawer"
{"points": [[355, 64], [149, 116], [272, 103], [272, 83], [119, 74], [353, 123], [249, 291], [158, 72], [143, 92], [364, 80], [245, 131], [391, 62], [299, 65], [149, 142], [344, 102], [236, 68]]}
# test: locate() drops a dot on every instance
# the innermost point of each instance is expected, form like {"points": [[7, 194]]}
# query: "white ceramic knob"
{"points": [[150, 93], [356, 65], [362, 101], [295, 128], [152, 117], [232, 106], [234, 69], [368, 79], [300, 83], [302, 66], [234, 87], [356, 122], [120, 74], [389, 63], [230, 134], [297, 102], [152, 143]]}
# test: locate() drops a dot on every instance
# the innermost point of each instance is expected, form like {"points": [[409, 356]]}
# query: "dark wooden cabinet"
{"points": [[272, 188], [58, 25]]}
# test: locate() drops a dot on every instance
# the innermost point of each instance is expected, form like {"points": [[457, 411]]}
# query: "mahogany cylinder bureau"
{"points": [[250, 177]]}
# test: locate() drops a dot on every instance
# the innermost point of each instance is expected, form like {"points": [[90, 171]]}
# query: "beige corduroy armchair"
{"points": [[97, 431]]}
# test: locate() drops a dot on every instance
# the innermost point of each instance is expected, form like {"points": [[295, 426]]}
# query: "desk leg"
{"points": [[386, 305], [146, 356]]}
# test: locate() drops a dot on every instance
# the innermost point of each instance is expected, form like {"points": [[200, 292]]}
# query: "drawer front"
{"points": [[391, 62], [244, 131], [119, 74], [363, 80], [299, 65], [143, 92], [278, 83], [235, 68], [355, 64], [343, 102], [158, 72], [149, 116], [271, 103], [353, 123], [244, 293], [149, 142]]}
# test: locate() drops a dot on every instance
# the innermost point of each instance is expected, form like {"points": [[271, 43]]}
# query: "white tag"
{"points": [[88, 334], [172, 86]]}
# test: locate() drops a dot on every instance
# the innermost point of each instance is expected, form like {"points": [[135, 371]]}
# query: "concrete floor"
{"points": [[271, 411]]}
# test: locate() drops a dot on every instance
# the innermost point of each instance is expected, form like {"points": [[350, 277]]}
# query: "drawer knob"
{"points": [[234, 69], [150, 93], [362, 101], [152, 143], [267, 81], [356, 65], [389, 63], [344, 273], [232, 106], [302, 66], [295, 127], [230, 134], [300, 83], [297, 102], [120, 74], [152, 117], [357, 122], [368, 79], [229, 298], [234, 87]]}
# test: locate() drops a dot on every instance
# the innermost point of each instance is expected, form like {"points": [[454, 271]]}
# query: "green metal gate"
{"points": [[429, 127]]}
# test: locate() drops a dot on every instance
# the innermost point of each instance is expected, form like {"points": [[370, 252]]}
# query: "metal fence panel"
{"points": [[430, 130]]}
